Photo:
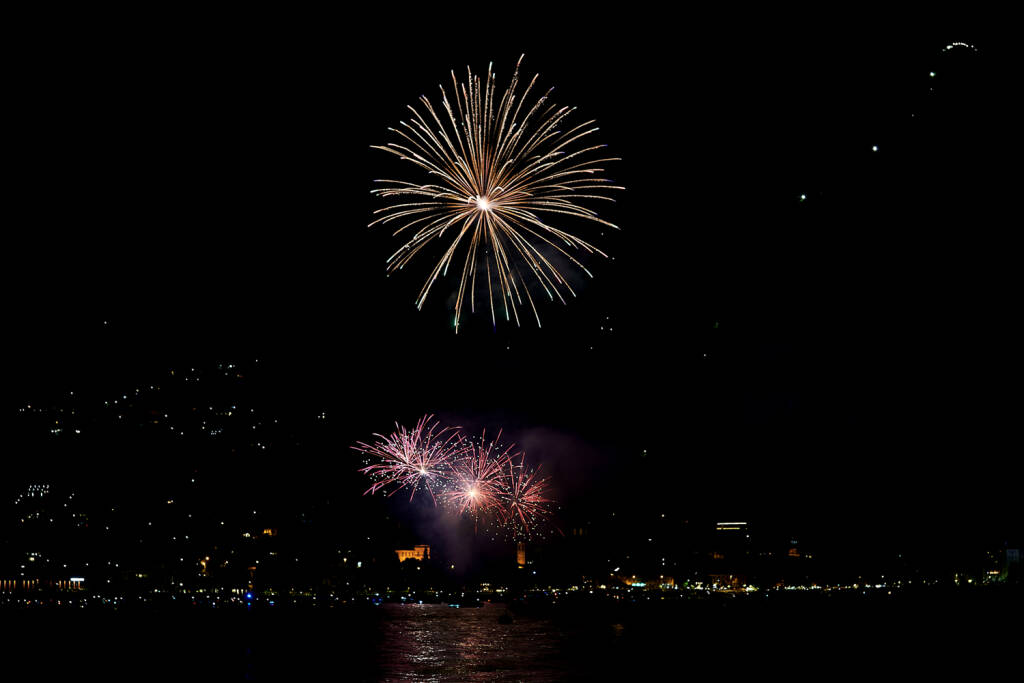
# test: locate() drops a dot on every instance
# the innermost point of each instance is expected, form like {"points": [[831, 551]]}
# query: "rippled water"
{"points": [[394, 642], [440, 643]]}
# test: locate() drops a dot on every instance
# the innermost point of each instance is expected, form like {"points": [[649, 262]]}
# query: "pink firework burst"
{"points": [[477, 478], [421, 457]]}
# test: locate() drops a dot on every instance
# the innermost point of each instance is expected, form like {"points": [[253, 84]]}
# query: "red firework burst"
{"points": [[524, 497]]}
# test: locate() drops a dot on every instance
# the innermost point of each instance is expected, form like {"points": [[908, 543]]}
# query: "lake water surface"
{"points": [[396, 642]]}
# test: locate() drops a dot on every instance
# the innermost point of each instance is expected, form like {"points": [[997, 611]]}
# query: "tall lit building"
{"points": [[731, 543]]}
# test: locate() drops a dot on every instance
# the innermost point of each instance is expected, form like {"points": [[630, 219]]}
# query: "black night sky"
{"points": [[809, 320]]}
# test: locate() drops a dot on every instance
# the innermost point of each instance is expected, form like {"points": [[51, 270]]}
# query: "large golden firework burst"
{"points": [[498, 174]]}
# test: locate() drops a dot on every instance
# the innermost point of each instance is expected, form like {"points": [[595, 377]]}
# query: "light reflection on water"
{"points": [[571, 642], [441, 643]]}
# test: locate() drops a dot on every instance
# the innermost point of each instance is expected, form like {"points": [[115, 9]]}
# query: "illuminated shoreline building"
{"points": [[418, 552]]}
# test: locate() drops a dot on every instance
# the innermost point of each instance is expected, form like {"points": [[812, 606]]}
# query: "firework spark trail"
{"points": [[477, 478], [413, 458], [524, 497], [498, 172]]}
